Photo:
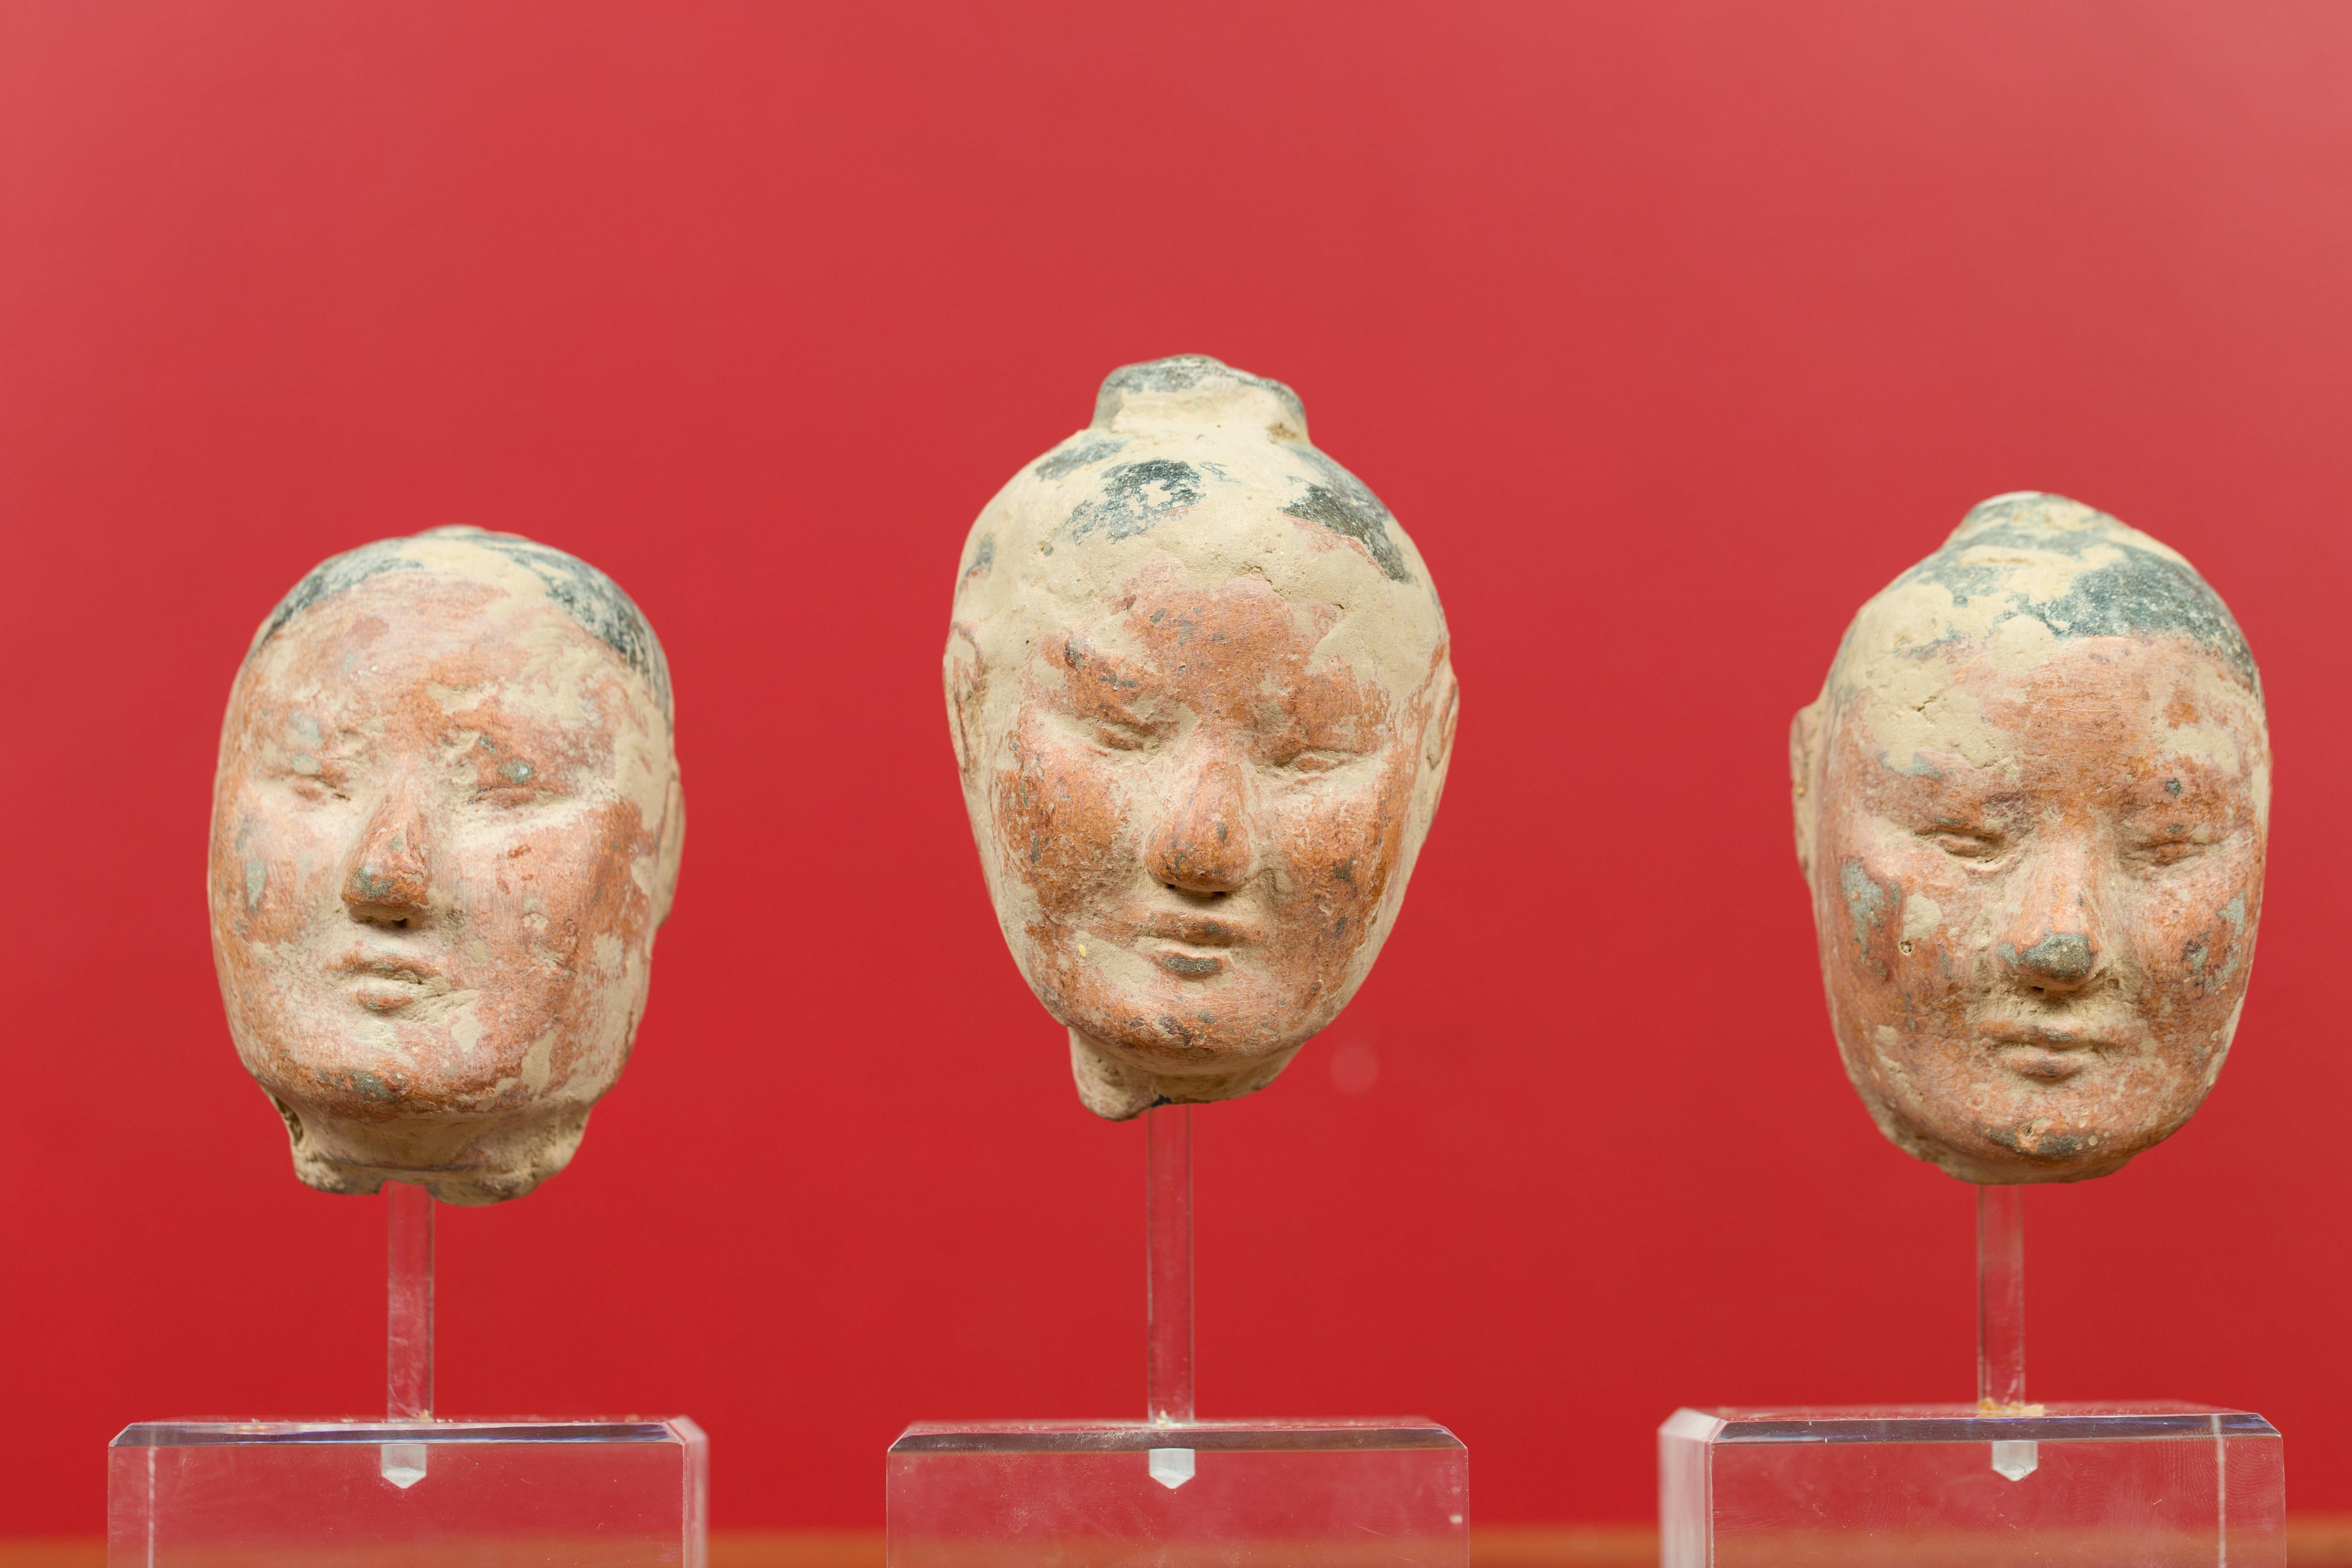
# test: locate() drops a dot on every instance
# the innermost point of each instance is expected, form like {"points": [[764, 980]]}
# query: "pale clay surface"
{"points": [[1199, 685], [2032, 804], [445, 825]]}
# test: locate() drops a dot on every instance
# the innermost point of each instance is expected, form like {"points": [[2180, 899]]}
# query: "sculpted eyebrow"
{"points": [[1942, 804], [1093, 671], [1105, 698]]}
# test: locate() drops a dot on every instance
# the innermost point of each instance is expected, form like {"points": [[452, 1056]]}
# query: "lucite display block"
{"points": [[1174, 1491], [391, 1494], [2088, 1486], [1383, 1493]]}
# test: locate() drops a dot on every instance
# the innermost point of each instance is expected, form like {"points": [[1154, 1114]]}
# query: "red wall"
{"points": [[1671, 330]]}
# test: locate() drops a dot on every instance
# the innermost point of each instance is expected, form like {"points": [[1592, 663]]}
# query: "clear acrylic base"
{"points": [[2089, 1486], [523, 1493], [1392, 1493]]}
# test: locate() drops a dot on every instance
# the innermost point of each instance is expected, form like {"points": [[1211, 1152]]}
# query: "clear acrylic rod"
{"points": [[2000, 1295], [408, 1323], [1167, 1246]]}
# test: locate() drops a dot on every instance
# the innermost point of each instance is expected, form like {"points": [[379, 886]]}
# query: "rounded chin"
{"points": [[2015, 1170], [1990, 1164], [1117, 1086], [464, 1160], [1151, 1051], [468, 1161]]}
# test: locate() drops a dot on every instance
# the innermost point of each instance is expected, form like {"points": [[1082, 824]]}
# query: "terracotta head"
{"points": [[1200, 692], [445, 825], [2032, 804]]}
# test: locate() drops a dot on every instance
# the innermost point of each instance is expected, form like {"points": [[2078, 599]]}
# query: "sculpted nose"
{"points": [[1202, 842], [391, 879], [2053, 942], [2061, 960]]}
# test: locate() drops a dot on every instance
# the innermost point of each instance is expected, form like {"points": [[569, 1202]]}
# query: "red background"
{"points": [[1671, 331]]}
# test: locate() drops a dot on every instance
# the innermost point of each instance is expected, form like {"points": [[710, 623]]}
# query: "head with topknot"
{"points": [[2032, 807], [445, 825], [1200, 692]]}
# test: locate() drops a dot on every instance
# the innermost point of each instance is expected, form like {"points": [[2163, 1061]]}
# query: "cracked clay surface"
{"points": [[1201, 701], [2032, 802], [445, 825]]}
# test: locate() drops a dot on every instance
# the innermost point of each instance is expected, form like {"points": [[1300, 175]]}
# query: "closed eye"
{"points": [[513, 782], [2169, 851], [312, 787], [1316, 760], [1965, 844], [1119, 737]]}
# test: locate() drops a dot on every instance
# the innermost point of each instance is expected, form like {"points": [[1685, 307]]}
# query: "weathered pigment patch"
{"points": [[1343, 504], [1923, 917], [2143, 594], [2035, 1141], [368, 1086], [2234, 912], [2061, 955], [585, 593], [1069, 461], [1132, 498], [983, 556], [588, 596], [1184, 373], [1865, 902], [332, 576]]}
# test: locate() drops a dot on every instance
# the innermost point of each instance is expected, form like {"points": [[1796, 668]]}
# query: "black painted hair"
{"points": [[586, 595], [1131, 498], [2146, 592], [1182, 373]]}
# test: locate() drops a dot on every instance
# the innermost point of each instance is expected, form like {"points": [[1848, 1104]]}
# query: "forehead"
{"points": [[449, 632], [1158, 604], [1173, 624], [1218, 533], [1991, 705]]}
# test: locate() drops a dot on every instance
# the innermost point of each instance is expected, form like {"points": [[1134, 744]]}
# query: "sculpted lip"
{"points": [[2047, 1054], [1194, 946], [2047, 1038], [385, 982], [1198, 931]]}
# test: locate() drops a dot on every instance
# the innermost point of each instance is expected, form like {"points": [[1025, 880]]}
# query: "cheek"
{"points": [[1942, 913], [1898, 922], [1339, 848], [552, 883], [2195, 935], [1061, 822], [1857, 907], [271, 867]]}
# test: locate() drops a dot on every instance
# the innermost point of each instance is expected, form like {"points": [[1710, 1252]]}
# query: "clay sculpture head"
{"points": [[1199, 685], [2032, 804], [445, 825]]}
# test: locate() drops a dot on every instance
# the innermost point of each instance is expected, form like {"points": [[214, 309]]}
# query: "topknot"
{"points": [[1192, 387], [2073, 568]]}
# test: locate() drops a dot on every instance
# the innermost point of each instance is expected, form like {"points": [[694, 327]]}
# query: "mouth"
{"points": [[1194, 947], [2046, 1054], [383, 982]]}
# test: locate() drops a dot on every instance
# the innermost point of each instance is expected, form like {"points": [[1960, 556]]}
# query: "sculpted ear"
{"points": [[1804, 748], [965, 682], [673, 846], [1437, 734], [1441, 734]]}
